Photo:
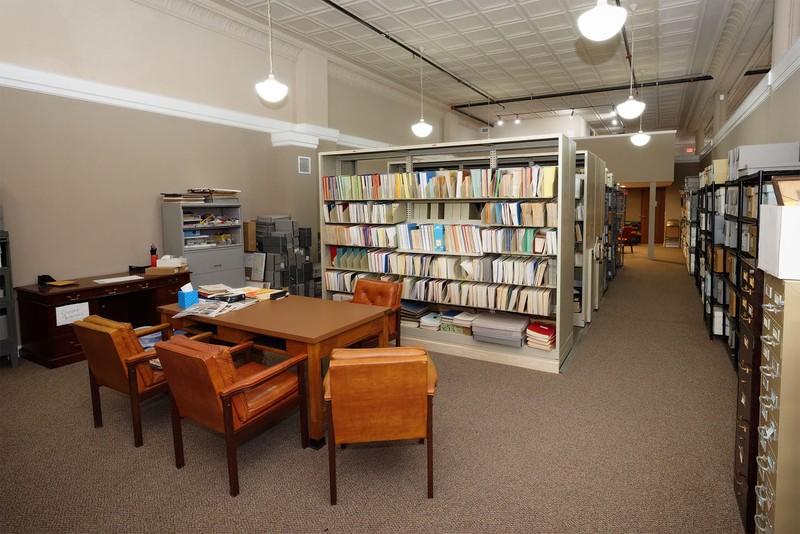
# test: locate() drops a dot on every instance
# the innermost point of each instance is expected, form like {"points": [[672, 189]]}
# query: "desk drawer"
{"points": [[66, 344], [167, 295]]}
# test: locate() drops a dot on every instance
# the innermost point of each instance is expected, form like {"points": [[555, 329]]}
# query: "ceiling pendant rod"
{"points": [[407, 48]]}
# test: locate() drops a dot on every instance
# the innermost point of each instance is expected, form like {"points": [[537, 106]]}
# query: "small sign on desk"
{"points": [[71, 312]]}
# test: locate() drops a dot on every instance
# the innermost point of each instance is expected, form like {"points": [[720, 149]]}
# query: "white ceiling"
{"points": [[519, 48]]}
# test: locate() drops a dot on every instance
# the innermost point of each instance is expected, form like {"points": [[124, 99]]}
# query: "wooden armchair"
{"points": [[381, 293], [382, 394], [236, 402], [117, 361]]}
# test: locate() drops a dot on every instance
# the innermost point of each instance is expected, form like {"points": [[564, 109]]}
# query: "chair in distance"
{"points": [[117, 361], [382, 394], [626, 238], [381, 293], [208, 389]]}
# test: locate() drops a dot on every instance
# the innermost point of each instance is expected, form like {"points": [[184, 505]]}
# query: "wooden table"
{"points": [[294, 325]]}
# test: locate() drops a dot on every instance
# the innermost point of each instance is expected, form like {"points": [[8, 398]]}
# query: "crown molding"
{"points": [[212, 16], [283, 133], [786, 67]]}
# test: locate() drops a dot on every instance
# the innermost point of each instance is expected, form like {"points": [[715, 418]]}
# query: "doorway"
{"points": [[661, 196]]}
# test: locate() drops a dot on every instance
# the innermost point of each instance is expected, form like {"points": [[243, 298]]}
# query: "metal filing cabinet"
{"points": [[751, 289], [778, 460]]}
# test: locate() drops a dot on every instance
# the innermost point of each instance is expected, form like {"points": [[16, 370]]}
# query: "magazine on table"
{"points": [[212, 308]]}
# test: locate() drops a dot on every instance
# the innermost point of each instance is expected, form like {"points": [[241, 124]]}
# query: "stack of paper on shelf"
{"points": [[541, 336], [501, 329], [430, 321], [449, 323], [411, 312]]}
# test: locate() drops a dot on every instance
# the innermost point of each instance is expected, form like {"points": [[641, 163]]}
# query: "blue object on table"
{"points": [[187, 298]]}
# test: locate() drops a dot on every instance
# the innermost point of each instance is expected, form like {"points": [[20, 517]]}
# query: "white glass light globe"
{"points": [[271, 89], [421, 128], [640, 139], [602, 22], [631, 108]]}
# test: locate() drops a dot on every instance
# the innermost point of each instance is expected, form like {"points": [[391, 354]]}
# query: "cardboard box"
{"points": [[779, 243], [719, 259], [753, 240], [249, 229], [165, 270]]}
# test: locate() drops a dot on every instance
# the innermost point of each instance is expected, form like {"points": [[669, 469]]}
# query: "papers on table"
{"points": [[118, 279]]}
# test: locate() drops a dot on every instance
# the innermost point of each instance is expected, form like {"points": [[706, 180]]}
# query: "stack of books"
{"points": [[499, 328], [411, 312], [431, 321], [449, 322], [212, 194], [541, 336]]}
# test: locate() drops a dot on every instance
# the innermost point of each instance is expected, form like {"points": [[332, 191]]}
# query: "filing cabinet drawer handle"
{"points": [[767, 433], [747, 290], [762, 524], [770, 371], [765, 463], [769, 401], [771, 308], [763, 494], [769, 340]]}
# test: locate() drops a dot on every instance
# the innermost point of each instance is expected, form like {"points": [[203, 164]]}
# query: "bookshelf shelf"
{"points": [[556, 157]]}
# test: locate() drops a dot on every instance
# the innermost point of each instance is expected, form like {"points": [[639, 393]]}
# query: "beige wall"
{"points": [[774, 121], [126, 44], [81, 182]]}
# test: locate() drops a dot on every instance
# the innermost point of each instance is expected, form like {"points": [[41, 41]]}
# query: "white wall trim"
{"points": [[786, 67], [283, 133]]}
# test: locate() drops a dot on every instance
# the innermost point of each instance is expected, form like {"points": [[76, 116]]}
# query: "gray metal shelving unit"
{"points": [[8, 321]]}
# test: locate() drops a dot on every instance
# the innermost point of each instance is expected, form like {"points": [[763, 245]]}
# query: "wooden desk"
{"points": [[51, 344], [295, 325]]}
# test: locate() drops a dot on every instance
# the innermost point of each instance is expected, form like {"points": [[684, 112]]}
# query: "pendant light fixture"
{"points": [[421, 128], [500, 120], [631, 108], [271, 89], [517, 120], [602, 22], [641, 138]]}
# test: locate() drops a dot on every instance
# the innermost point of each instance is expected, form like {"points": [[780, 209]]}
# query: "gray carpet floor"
{"points": [[636, 436]]}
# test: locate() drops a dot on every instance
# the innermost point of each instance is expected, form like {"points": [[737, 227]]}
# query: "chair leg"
{"points": [[233, 466], [397, 328], [430, 447], [177, 434], [230, 447], [136, 411], [97, 411], [331, 457]]}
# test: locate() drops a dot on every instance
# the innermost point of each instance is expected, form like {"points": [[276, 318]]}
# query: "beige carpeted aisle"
{"points": [[636, 436]]}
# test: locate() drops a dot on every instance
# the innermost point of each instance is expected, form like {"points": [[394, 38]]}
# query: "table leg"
{"points": [[383, 338], [316, 425]]}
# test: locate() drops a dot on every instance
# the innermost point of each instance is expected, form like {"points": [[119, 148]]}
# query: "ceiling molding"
{"points": [[229, 23]]}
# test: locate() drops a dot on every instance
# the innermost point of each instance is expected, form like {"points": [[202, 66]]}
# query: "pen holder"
{"points": [[187, 298]]}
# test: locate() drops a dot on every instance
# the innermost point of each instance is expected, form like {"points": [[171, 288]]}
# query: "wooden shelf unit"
{"points": [[486, 154]]}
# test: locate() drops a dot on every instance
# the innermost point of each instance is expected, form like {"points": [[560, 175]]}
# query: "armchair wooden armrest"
{"points": [[201, 337], [262, 376], [135, 359], [152, 330]]}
